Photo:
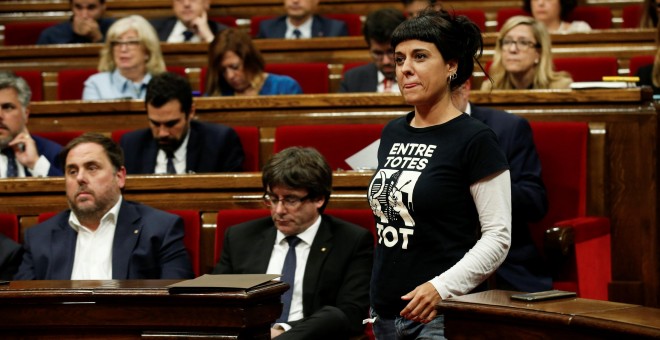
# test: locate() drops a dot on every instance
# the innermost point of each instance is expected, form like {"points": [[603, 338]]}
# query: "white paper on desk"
{"points": [[366, 158]]}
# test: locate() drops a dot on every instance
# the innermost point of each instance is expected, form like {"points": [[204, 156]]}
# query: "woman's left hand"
{"points": [[422, 305]]}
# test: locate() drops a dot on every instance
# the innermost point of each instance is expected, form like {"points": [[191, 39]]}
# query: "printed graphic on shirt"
{"points": [[391, 192]]}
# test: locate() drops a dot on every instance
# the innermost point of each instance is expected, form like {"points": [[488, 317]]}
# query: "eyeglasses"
{"points": [[380, 55], [522, 45], [127, 43], [290, 202]]}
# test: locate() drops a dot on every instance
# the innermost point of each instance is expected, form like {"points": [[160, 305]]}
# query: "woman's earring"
{"points": [[452, 77]]}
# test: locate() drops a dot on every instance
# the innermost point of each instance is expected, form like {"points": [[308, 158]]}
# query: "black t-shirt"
{"points": [[420, 195]]}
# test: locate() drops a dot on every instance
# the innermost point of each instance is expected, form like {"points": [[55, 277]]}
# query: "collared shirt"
{"points": [[176, 36], [179, 158], [93, 259], [381, 84], [112, 85], [305, 29], [41, 167], [276, 263]]}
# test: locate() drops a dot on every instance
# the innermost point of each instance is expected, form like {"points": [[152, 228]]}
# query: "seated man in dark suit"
{"points": [[11, 254], [523, 269], [300, 22], [87, 25], [377, 76], [325, 260], [22, 154], [413, 7], [102, 236], [175, 143], [190, 23]]}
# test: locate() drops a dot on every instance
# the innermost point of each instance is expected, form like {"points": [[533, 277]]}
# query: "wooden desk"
{"points": [[493, 315], [134, 309]]}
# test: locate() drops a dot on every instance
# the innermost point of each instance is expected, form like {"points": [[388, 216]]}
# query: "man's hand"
{"points": [[27, 154], [422, 305], [87, 27], [275, 331], [200, 26]]}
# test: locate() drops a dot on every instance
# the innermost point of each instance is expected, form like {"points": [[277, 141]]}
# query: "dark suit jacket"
{"points": [[360, 79], [148, 244], [337, 274], [211, 148], [321, 27], [164, 27], [11, 254], [523, 269], [50, 150]]}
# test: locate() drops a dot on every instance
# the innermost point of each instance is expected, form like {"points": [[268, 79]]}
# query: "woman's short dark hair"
{"points": [[566, 7], [112, 149], [456, 37], [299, 168]]}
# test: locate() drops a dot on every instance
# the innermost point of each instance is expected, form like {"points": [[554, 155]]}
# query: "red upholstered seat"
{"points": [[639, 61], [631, 15], [24, 33], [503, 14], [348, 66], [60, 137], [35, 81], [586, 269], [70, 83], [9, 226], [249, 136], [334, 142], [598, 17], [312, 77], [588, 68], [477, 16], [352, 20], [192, 233], [226, 20]]}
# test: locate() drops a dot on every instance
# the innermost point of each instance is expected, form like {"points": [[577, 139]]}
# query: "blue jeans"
{"points": [[400, 328]]}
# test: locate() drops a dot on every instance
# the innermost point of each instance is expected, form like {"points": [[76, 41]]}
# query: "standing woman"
{"points": [[130, 56], [523, 58], [441, 195]]}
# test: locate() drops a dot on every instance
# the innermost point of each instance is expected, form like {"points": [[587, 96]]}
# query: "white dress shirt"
{"points": [[179, 158], [381, 85], [305, 29], [176, 36], [41, 167]]}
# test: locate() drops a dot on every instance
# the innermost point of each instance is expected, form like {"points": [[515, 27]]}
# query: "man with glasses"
{"points": [[326, 261], [377, 76], [175, 143], [86, 25]]}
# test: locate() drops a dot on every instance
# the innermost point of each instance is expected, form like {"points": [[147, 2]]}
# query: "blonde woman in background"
{"points": [[130, 56], [523, 58]]}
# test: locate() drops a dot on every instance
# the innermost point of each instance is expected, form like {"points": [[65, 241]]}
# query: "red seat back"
{"points": [[249, 136], [226, 20], [36, 82], [60, 137], [477, 16], [503, 14], [640, 61], [70, 83], [334, 142], [24, 33], [312, 77], [598, 17], [631, 15], [588, 68], [9, 226], [348, 66], [230, 217]]}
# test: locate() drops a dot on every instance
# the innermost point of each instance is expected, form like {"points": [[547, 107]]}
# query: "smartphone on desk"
{"points": [[542, 296]]}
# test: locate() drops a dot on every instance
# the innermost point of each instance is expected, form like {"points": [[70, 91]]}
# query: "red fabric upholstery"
{"points": [[249, 136], [631, 15], [352, 20], [588, 68], [503, 14], [192, 233], [598, 17], [334, 142], [230, 217], [60, 137], [640, 61], [226, 20], [24, 33], [70, 83], [477, 16], [36, 83], [9, 226], [312, 77], [562, 149], [348, 66], [362, 217]]}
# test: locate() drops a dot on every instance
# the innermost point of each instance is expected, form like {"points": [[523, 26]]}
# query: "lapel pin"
{"points": [[135, 231], [323, 249]]}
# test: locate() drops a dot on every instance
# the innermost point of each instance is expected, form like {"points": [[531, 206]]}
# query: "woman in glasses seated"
{"points": [[523, 59], [130, 56], [236, 67], [554, 15]]}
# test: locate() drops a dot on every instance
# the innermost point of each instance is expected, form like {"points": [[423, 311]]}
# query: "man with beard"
{"points": [[22, 154], [377, 76], [175, 143], [102, 236], [301, 22]]}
